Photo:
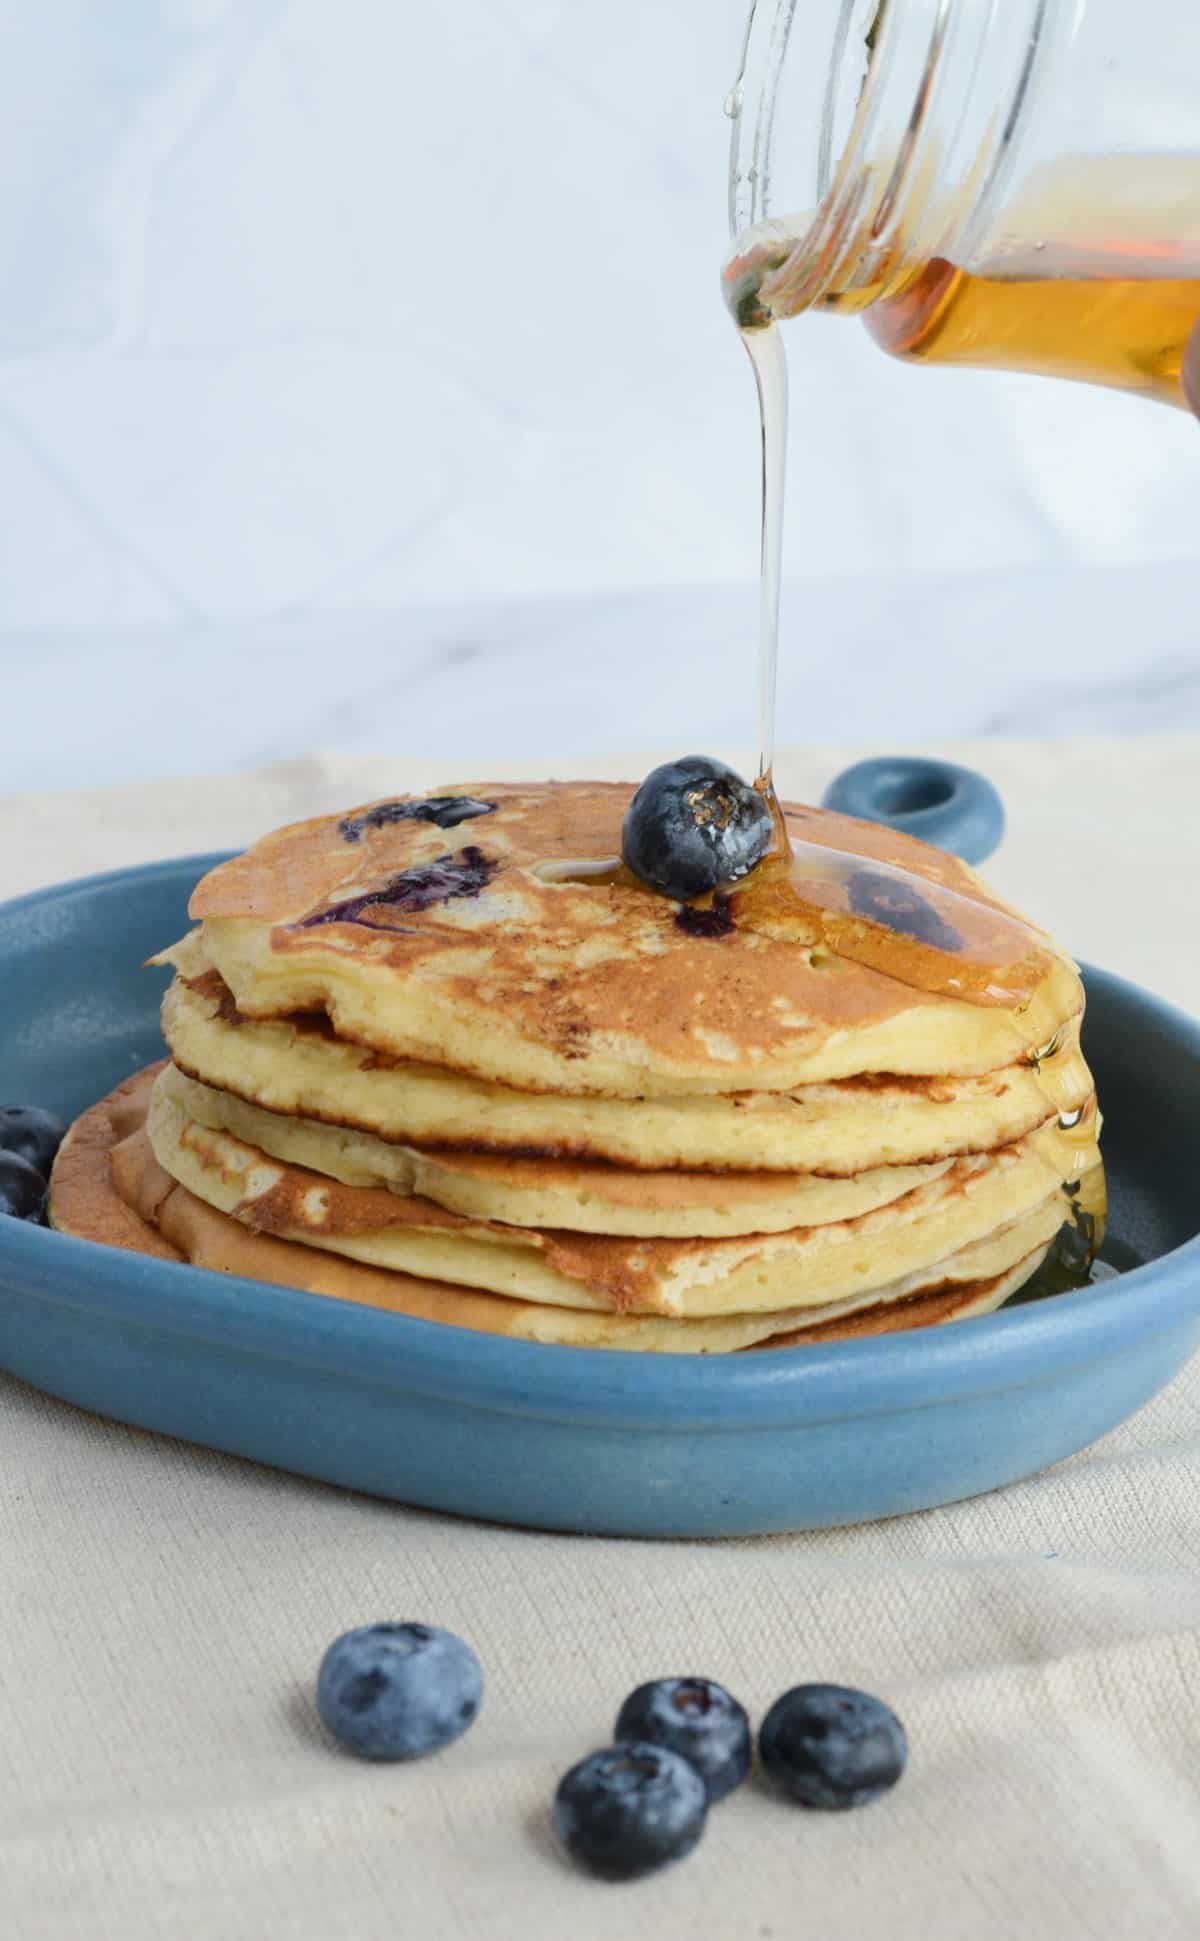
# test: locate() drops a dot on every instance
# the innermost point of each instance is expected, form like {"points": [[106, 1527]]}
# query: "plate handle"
{"points": [[954, 808]]}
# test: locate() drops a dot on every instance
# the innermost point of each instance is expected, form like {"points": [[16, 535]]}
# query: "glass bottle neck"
{"points": [[872, 136]]}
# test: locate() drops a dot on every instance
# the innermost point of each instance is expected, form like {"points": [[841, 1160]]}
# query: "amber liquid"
{"points": [[765, 348], [1128, 335]]}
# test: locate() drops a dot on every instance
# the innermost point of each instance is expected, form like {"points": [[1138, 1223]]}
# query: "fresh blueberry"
{"points": [[444, 811], [826, 1745], [22, 1188], [697, 1719], [32, 1134], [414, 889], [890, 901], [694, 824], [630, 1809], [398, 1691]]}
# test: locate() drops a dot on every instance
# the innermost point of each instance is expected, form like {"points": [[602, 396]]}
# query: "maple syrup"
{"points": [[766, 352], [1067, 308], [1130, 336], [1089, 270]]}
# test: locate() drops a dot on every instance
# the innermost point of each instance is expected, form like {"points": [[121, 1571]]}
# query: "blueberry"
{"points": [[697, 1719], [714, 922], [32, 1134], [444, 811], [890, 901], [630, 1809], [22, 1188], [694, 824], [414, 889], [826, 1745], [398, 1691]]}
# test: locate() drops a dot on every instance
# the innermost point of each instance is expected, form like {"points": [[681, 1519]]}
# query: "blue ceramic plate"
{"points": [[565, 1438]]}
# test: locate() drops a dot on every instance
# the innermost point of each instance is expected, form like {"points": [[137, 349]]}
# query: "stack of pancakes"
{"points": [[446, 1056]]}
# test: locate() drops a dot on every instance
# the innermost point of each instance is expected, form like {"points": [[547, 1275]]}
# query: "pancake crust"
{"points": [[480, 948], [115, 1193], [82, 1199], [1012, 1198], [297, 1066], [526, 1192]]}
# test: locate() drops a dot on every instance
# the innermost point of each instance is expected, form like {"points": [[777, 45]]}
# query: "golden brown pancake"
{"points": [[108, 1188], [82, 1199], [296, 1066], [530, 1192], [493, 947], [447, 1056], [1001, 1207]]}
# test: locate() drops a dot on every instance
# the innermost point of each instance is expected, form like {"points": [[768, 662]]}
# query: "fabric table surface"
{"points": [[163, 1609]]}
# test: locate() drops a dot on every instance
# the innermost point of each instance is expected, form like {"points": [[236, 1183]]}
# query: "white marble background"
{"points": [[364, 381]]}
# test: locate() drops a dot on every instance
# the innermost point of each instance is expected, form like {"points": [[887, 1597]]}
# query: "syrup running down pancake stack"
{"points": [[447, 1056]]}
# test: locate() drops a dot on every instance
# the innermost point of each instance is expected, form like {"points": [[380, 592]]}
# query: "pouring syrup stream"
{"points": [[769, 360]]}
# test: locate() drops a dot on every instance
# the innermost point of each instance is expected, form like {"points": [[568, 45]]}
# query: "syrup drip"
{"points": [[1039, 1056], [769, 361], [918, 931]]}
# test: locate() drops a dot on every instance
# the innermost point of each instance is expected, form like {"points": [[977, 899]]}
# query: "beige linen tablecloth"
{"points": [[163, 1610]]}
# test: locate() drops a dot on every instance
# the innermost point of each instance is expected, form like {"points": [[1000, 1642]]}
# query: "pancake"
{"points": [[490, 934], [586, 1198], [1002, 1205], [447, 1057], [297, 1067], [108, 1188], [951, 1301], [81, 1198]]}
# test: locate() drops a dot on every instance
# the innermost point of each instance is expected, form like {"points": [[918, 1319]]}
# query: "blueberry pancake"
{"points": [[511, 944], [531, 1060]]}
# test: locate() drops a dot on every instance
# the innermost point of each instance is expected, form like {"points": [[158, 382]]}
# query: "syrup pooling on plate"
{"points": [[1071, 1261]]}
